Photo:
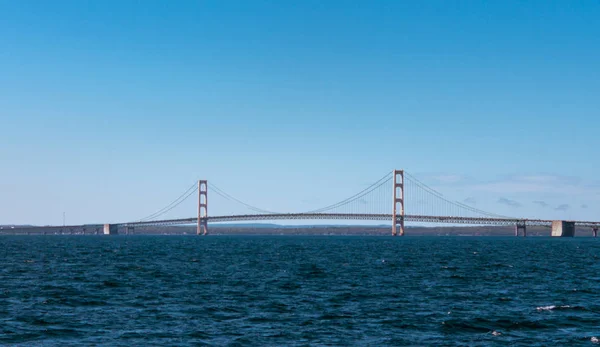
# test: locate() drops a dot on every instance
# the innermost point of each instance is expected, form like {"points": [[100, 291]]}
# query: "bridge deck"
{"points": [[374, 217], [321, 216]]}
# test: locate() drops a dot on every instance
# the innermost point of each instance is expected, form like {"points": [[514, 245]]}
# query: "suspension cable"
{"points": [[356, 196], [455, 203], [223, 194], [172, 205]]}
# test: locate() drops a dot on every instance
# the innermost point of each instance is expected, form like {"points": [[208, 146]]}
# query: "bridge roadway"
{"points": [[376, 217], [98, 228]]}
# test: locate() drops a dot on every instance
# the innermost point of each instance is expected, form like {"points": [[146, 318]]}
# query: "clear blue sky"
{"points": [[110, 109]]}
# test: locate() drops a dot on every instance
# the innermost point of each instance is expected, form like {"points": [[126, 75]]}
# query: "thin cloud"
{"points": [[445, 179], [470, 201], [449, 178], [534, 184], [508, 202], [541, 203], [516, 184], [547, 179], [563, 207]]}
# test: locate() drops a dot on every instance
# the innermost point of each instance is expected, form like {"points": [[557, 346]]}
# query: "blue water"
{"points": [[278, 290]]}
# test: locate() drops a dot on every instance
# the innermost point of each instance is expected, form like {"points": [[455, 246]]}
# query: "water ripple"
{"points": [[296, 291]]}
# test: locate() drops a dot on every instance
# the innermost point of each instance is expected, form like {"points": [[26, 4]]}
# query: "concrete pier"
{"points": [[561, 228], [595, 232], [111, 229], [521, 228]]}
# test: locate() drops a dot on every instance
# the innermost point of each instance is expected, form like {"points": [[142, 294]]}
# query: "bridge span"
{"points": [[520, 224], [366, 216]]}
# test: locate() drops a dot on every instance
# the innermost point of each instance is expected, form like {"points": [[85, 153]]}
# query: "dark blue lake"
{"points": [[296, 290]]}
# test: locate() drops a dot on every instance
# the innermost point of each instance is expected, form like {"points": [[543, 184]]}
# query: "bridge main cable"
{"points": [[183, 197], [457, 204], [385, 179], [223, 194]]}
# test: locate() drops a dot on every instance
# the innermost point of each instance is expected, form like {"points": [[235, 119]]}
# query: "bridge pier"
{"points": [[521, 228], [561, 228], [129, 230], [595, 231], [202, 227], [111, 229]]}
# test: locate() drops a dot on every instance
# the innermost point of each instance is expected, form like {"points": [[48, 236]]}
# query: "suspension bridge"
{"points": [[398, 197]]}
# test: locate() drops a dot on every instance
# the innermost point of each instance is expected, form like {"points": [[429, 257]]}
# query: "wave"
{"points": [[482, 325], [561, 308]]}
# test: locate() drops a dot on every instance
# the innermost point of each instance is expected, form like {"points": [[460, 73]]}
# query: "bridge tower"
{"points": [[202, 227], [398, 210]]}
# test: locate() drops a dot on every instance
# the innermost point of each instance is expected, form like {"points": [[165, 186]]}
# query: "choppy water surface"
{"points": [[217, 290]]}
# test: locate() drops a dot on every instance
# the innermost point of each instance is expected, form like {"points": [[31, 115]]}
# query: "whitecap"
{"points": [[551, 307]]}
